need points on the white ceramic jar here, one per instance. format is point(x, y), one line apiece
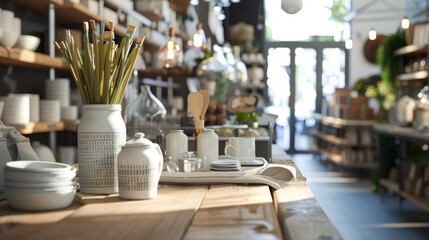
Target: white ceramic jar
point(140, 165)
point(208, 147)
point(176, 145)
point(100, 135)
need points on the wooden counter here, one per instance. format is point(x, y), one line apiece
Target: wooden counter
point(227, 211)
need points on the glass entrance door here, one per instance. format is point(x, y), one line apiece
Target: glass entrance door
point(299, 76)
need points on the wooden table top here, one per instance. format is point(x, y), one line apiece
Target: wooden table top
point(227, 211)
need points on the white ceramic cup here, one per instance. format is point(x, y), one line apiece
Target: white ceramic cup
point(240, 147)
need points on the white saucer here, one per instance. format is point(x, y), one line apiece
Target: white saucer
point(245, 161)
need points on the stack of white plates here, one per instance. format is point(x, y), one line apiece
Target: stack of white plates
point(16, 110)
point(34, 105)
point(11, 28)
point(50, 110)
point(59, 89)
point(69, 113)
point(39, 186)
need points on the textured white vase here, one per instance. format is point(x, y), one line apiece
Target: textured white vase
point(101, 134)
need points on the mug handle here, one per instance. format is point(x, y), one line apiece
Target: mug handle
point(226, 150)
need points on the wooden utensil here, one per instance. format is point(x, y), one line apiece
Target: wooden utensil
point(206, 99)
point(195, 104)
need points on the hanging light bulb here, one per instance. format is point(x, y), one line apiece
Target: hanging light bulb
point(171, 54)
point(348, 44)
point(199, 36)
point(372, 34)
point(291, 6)
point(194, 2)
point(405, 23)
point(221, 16)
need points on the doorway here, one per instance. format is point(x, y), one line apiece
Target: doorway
point(299, 76)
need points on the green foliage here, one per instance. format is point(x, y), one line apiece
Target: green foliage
point(338, 11)
point(390, 64)
point(362, 84)
point(244, 117)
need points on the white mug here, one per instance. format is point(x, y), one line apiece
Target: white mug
point(240, 147)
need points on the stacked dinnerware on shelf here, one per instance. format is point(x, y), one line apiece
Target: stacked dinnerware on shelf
point(58, 89)
point(16, 109)
point(34, 105)
point(50, 110)
point(11, 28)
point(38, 185)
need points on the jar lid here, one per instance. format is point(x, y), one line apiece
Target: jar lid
point(208, 130)
point(176, 131)
point(139, 141)
point(190, 156)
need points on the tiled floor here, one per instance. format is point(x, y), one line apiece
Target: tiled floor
point(356, 211)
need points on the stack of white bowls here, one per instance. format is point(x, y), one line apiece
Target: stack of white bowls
point(50, 110)
point(58, 89)
point(39, 186)
point(16, 109)
point(11, 28)
point(34, 105)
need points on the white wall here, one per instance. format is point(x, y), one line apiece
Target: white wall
point(378, 16)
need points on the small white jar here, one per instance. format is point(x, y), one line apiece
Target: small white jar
point(208, 147)
point(176, 145)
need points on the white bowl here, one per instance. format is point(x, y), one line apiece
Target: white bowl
point(37, 166)
point(30, 200)
point(9, 38)
point(38, 177)
point(58, 185)
point(27, 42)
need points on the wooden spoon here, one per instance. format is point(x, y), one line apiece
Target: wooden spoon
point(206, 99)
point(195, 104)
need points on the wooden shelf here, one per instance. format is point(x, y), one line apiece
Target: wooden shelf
point(180, 6)
point(406, 133)
point(152, 15)
point(420, 75)
point(174, 72)
point(337, 141)
point(39, 127)
point(71, 125)
point(394, 187)
point(411, 50)
point(25, 58)
point(339, 122)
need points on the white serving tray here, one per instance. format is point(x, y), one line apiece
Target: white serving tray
point(258, 164)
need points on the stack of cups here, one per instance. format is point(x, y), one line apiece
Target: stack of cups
point(34, 105)
point(50, 110)
point(16, 110)
point(59, 89)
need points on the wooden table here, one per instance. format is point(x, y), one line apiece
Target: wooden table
point(182, 212)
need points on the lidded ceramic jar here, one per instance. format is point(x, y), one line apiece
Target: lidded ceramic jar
point(140, 164)
point(176, 145)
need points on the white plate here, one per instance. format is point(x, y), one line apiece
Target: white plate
point(256, 161)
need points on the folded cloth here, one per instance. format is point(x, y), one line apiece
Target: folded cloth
point(273, 175)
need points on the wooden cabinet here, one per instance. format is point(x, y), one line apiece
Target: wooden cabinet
point(344, 142)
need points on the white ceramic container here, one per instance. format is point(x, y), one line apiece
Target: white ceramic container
point(176, 145)
point(40, 185)
point(27, 42)
point(39, 176)
point(208, 147)
point(43, 152)
point(139, 168)
point(101, 133)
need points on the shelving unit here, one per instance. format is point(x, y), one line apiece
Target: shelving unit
point(405, 78)
point(401, 135)
point(345, 142)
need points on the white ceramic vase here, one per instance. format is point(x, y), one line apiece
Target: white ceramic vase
point(101, 134)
